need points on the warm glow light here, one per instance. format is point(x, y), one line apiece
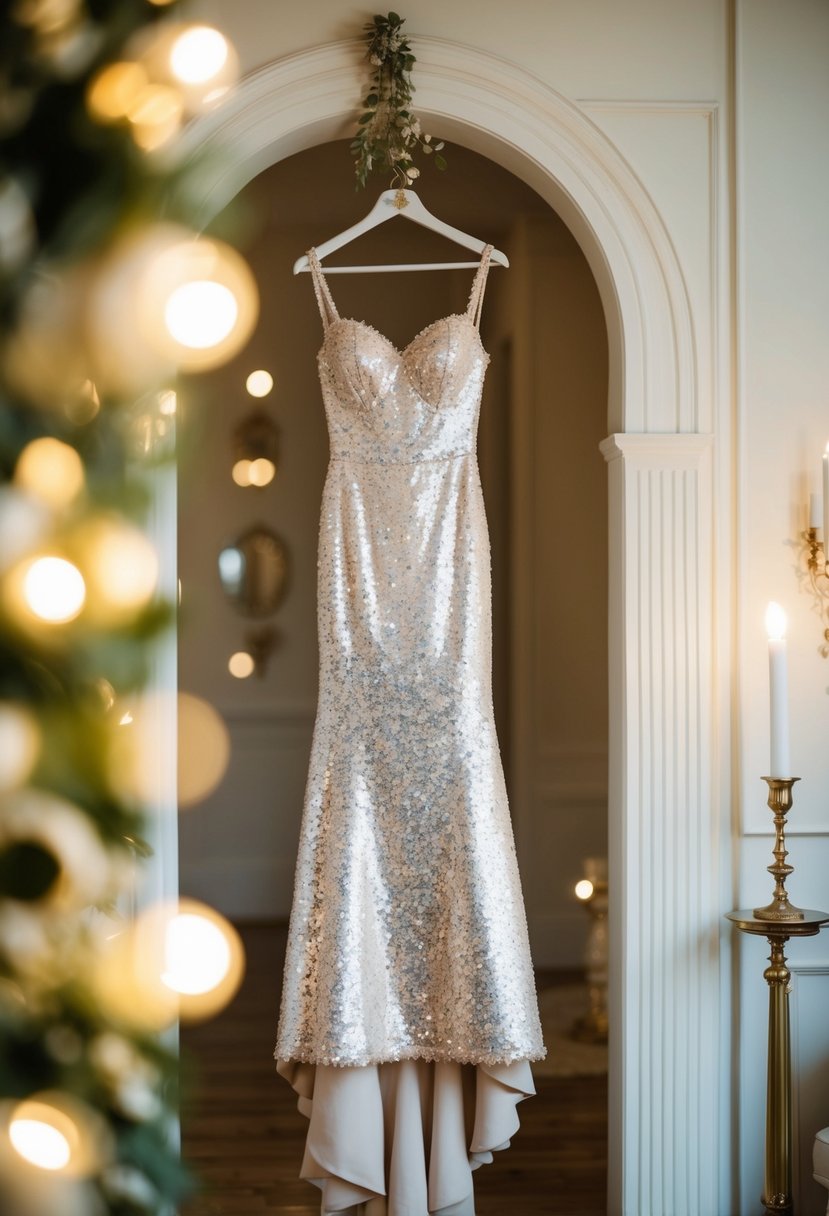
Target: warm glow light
point(168, 299)
point(155, 115)
point(201, 314)
point(121, 567)
point(241, 665)
point(197, 955)
point(259, 383)
point(241, 472)
point(167, 402)
point(19, 744)
point(262, 471)
point(57, 1133)
point(775, 622)
point(115, 90)
point(203, 749)
point(584, 888)
point(50, 470)
point(180, 960)
point(54, 589)
point(40, 1143)
point(198, 55)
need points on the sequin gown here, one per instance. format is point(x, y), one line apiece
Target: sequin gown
point(408, 988)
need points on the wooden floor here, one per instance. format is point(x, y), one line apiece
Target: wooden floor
point(244, 1136)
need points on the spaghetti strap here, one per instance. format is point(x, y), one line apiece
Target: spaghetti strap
point(476, 295)
point(327, 308)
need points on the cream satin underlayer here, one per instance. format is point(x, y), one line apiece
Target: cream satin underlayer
point(402, 1139)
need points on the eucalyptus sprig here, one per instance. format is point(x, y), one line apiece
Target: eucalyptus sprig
point(389, 134)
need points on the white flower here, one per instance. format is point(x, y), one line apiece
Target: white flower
point(376, 60)
point(412, 173)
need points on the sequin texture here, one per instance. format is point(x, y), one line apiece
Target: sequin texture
point(408, 938)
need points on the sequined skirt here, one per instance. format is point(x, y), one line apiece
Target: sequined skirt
point(408, 937)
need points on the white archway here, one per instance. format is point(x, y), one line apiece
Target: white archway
point(667, 1155)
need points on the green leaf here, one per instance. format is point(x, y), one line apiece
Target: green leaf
point(364, 118)
point(440, 162)
point(371, 100)
point(394, 19)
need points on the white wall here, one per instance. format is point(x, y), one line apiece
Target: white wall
point(742, 192)
point(783, 425)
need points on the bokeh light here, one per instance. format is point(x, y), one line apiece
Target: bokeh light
point(262, 471)
point(58, 1133)
point(113, 93)
point(155, 115)
point(167, 299)
point(19, 744)
point(201, 314)
point(241, 472)
point(241, 665)
point(584, 888)
point(203, 749)
point(198, 55)
point(51, 471)
point(259, 383)
point(175, 960)
point(40, 1142)
point(121, 567)
point(53, 589)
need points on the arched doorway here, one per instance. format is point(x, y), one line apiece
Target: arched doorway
point(667, 1084)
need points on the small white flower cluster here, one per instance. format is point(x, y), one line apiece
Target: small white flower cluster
point(388, 134)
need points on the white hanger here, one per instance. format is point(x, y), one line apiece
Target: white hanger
point(405, 203)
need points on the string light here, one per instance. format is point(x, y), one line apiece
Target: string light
point(53, 589)
point(201, 314)
point(38, 1141)
point(199, 55)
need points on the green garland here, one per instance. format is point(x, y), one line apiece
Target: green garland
point(389, 134)
point(70, 188)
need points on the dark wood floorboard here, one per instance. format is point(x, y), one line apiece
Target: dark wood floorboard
point(244, 1136)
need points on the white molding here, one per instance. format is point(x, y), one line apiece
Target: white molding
point(664, 824)
point(666, 1152)
point(805, 969)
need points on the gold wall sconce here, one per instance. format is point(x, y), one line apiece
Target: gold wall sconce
point(817, 554)
point(592, 891)
point(255, 450)
point(254, 573)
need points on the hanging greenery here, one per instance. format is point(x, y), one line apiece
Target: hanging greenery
point(96, 293)
point(389, 134)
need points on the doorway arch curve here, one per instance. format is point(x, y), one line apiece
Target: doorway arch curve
point(666, 1084)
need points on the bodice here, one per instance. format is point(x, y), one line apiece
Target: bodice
point(390, 406)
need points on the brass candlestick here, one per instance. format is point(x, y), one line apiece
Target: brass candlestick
point(777, 922)
point(780, 801)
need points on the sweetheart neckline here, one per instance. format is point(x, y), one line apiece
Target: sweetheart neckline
point(401, 352)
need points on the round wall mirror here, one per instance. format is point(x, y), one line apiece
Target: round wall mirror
point(254, 571)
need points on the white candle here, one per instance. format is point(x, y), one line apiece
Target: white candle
point(778, 692)
point(815, 512)
point(826, 504)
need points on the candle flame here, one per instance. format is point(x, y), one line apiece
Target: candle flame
point(775, 622)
